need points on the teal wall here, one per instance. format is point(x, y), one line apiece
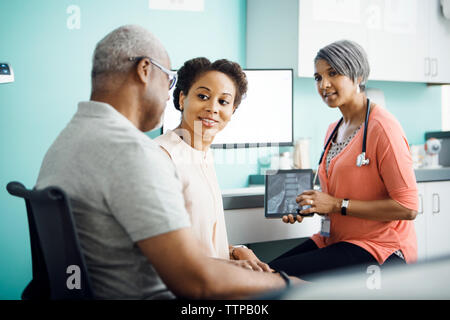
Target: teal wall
point(52, 69)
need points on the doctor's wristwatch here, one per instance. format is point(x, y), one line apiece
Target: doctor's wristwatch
point(344, 206)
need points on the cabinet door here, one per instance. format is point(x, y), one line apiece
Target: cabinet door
point(439, 44)
point(438, 219)
point(420, 225)
point(395, 35)
point(398, 40)
point(323, 22)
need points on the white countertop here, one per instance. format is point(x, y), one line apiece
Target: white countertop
point(244, 191)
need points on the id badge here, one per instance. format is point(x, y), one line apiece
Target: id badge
point(325, 226)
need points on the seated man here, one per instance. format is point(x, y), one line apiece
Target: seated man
point(127, 201)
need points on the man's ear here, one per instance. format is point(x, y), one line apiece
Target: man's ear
point(143, 69)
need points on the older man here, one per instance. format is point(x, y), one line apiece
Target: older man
point(127, 201)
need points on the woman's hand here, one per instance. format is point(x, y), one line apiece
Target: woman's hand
point(241, 253)
point(319, 202)
point(245, 258)
point(377, 210)
point(290, 218)
point(255, 265)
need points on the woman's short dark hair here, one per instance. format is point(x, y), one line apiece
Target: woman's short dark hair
point(194, 68)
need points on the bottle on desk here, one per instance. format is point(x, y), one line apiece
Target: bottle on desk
point(301, 154)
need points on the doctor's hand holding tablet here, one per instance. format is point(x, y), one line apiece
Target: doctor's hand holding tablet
point(311, 202)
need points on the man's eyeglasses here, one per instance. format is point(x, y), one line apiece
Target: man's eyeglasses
point(171, 74)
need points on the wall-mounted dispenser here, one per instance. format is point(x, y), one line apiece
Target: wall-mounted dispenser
point(6, 73)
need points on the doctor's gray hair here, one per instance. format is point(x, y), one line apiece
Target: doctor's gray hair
point(113, 51)
point(347, 58)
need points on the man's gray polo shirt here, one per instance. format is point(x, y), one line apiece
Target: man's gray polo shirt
point(123, 188)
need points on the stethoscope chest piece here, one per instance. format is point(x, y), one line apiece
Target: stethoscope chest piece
point(361, 160)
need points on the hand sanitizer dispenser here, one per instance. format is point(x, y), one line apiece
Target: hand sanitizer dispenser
point(6, 73)
point(432, 148)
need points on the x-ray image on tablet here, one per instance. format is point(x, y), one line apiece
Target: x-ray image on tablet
point(282, 188)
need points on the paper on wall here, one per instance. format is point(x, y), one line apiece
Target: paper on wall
point(181, 5)
point(347, 11)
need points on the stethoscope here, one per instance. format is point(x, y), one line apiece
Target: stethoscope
point(361, 158)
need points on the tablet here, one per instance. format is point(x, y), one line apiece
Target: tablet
point(282, 188)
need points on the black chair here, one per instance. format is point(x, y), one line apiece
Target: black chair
point(59, 269)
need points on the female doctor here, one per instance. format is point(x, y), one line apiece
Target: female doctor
point(369, 192)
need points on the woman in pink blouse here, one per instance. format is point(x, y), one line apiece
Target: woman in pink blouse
point(367, 210)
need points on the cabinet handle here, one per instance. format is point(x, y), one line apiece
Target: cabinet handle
point(420, 204)
point(434, 67)
point(436, 203)
point(427, 66)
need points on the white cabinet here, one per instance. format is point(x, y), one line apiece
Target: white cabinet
point(439, 46)
point(323, 22)
point(412, 43)
point(398, 36)
point(420, 225)
point(437, 212)
point(433, 220)
point(406, 40)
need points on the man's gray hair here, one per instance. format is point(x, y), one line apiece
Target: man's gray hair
point(113, 51)
point(346, 58)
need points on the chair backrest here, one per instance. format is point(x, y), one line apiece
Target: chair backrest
point(59, 269)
